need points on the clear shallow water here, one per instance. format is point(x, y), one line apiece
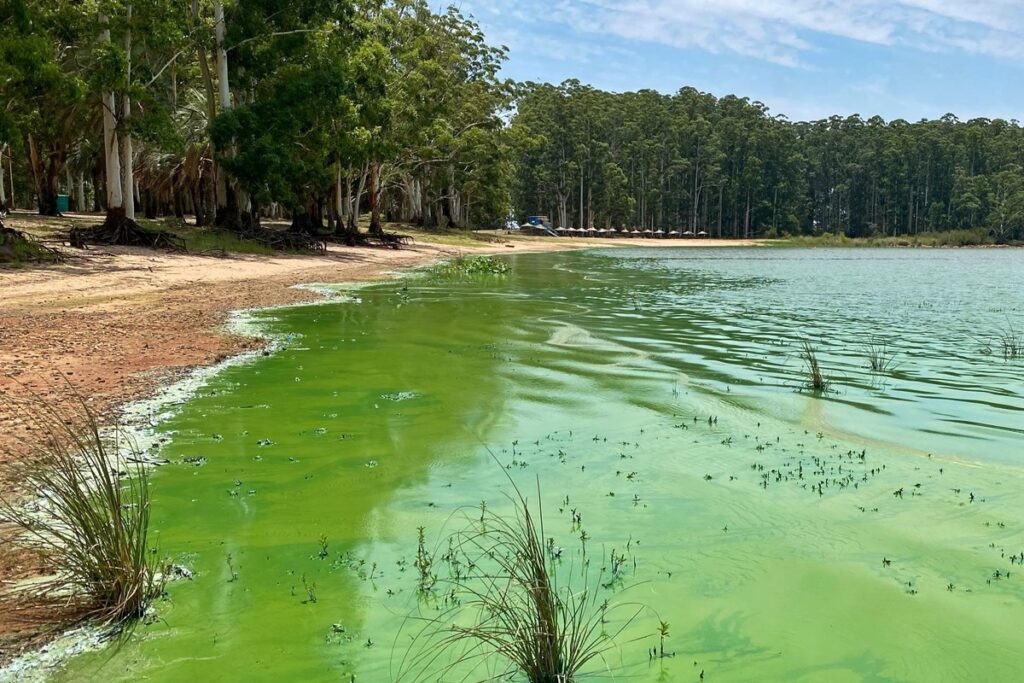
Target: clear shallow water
point(584, 369)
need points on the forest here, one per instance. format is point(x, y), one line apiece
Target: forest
point(326, 113)
point(727, 165)
point(315, 111)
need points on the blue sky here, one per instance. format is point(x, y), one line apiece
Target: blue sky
point(806, 59)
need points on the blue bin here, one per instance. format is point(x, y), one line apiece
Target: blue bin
point(63, 203)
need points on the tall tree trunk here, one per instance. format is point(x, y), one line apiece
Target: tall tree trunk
point(111, 147)
point(127, 153)
point(3, 190)
point(211, 113)
point(80, 192)
point(97, 186)
point(45, 177)
point(339, 201)
point(227, 201)
point(374, 190)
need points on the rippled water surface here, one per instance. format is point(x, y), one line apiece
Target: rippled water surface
point(661, 392)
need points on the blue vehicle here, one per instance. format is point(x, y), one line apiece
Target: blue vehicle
point(541, 224)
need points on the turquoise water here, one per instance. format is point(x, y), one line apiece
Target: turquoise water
point(661, 392)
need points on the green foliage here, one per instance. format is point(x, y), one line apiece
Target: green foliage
point(472, 265)
point(727, 166)
point(511, 610)
point(17, 248)
point(91, 520)
point(211, 241)
point(949, 238)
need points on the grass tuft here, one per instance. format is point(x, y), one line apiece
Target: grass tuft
point(815, 380)
point(510, 608)
point(87, 513)
point(880, 359)
point(1011, 342)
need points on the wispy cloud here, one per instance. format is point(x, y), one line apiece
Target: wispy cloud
point(789, 32)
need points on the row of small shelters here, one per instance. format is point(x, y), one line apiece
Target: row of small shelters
point(626, 232)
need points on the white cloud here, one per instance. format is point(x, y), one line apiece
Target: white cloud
point(786, 31)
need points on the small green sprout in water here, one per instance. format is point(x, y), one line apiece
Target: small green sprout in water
point(323, 547)
point(310, 589)
point(231, 568)
point(424, 564)
point(662, 635)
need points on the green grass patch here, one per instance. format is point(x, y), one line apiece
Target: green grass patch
point(203, 240)
point(18, 248)
point(949, 238)
point(473, 265)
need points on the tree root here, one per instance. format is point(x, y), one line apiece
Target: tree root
point(284, 240)
point(120, 230)
point(17, 247)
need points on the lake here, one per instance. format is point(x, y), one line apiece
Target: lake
point(869, 533)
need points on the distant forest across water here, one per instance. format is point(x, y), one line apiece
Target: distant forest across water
point(731, 167)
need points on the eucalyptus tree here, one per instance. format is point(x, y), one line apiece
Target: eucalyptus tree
point(44, 94)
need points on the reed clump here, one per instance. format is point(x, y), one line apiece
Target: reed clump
point(511, 608)
point(881, 360)
point(815, 380)
point(86, 509)
point(1011, 342)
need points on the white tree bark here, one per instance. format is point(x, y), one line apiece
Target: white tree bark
point(358, 199)
point(80, 192)
point(112, 157)
point(10, 176)
point(3, 192)
point(223, 87)
point(127, 154)
point(339, 209)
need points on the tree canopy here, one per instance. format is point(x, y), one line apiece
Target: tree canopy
point(319, 111)
point(728, 166)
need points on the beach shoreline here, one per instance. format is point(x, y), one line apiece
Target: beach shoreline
point(123, 325)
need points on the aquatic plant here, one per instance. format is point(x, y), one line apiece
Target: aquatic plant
point(87, 513)
point(473, 265)
point(880, 358)
point(815, 380)
point(424, 564)
point(515, 610)
point(662, 635)
point(1011, 342)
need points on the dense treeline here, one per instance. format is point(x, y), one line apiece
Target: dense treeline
point(725, 165)
point(319, 111)
point(229, 110)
